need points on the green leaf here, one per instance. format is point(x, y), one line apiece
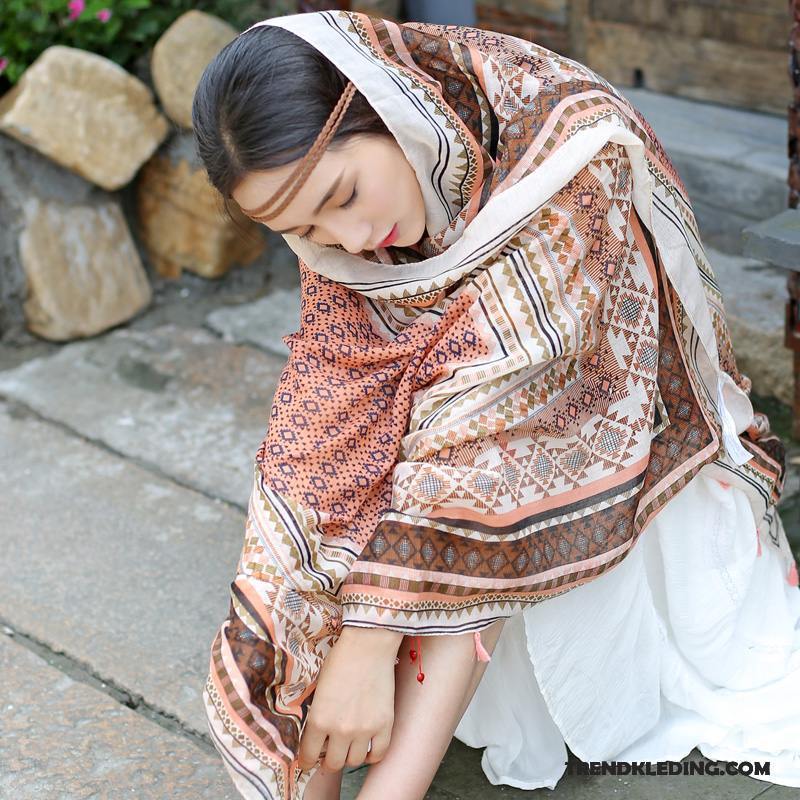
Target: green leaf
point(28, 27)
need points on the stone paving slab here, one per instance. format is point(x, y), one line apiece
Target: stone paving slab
point(780, 793)
point(776, 240)
point(751, 289)
point(126, 574)
point(261, 323)
point(759, 196)
point(754, 295)
point(123, 571)
point(110, 596)
point(733, 162)
point(179, 399)
point(63, 739)
point(717, 132)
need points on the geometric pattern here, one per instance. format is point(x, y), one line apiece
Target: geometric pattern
point(434, 467)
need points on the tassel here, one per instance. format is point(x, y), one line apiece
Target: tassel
point(420, 673)
point(480, 650)
point(792, 577)
point(758, 539)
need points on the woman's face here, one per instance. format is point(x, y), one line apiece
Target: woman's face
point(361, 195)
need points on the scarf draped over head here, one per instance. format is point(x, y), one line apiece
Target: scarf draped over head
point(492, 419)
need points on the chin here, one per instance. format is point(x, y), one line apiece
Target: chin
point(414, 236)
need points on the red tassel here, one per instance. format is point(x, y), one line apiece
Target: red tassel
point(420, 673)
point(792, 577)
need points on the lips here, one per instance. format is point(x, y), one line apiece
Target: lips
point(390, 238)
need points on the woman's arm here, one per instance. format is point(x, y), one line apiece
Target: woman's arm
point(354, 700)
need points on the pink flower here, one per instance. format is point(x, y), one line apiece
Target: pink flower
point(104, 15)
point(3, 65)
point(75, 8)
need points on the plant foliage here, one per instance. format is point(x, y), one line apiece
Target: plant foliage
point(120, 30)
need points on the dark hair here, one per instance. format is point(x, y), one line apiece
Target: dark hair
point(263, 100)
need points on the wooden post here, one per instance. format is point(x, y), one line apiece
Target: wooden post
point(794, 108)
point(792, 341)
point(306, 6)
point(792, 329)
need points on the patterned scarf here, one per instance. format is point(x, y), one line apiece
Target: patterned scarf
point(490, 419)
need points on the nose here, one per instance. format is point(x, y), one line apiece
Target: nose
point(355, 238)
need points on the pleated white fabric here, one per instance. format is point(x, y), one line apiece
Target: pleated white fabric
point(693, 640)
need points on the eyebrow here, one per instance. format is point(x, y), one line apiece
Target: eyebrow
point(322, 202)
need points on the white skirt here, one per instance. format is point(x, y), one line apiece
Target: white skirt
point(693, 640)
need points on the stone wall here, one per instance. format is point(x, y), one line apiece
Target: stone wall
point(545, 22)
point(101, 192)
point(733, 52)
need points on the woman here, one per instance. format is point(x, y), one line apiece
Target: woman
point(512, 366)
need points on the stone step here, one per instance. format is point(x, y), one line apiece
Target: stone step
point(122, 570)
point(734, 162)
point(261, 323)
point(62, 738)
point(754, 296)
point(178, 400)
point(776, 240)
point(137, 572)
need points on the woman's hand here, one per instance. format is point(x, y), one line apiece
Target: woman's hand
point(353, 701)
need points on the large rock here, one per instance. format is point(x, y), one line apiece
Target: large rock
point(24, 173)
point(86, 113)
point(83, 272)
point(180, 56)
point(180, 217)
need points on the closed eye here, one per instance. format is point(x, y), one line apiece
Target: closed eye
point(347, 203)
point(350, 200)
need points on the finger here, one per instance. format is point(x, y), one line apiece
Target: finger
point(380, 744)
point(337, 753)
point(357, 753)
point(311, 743)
